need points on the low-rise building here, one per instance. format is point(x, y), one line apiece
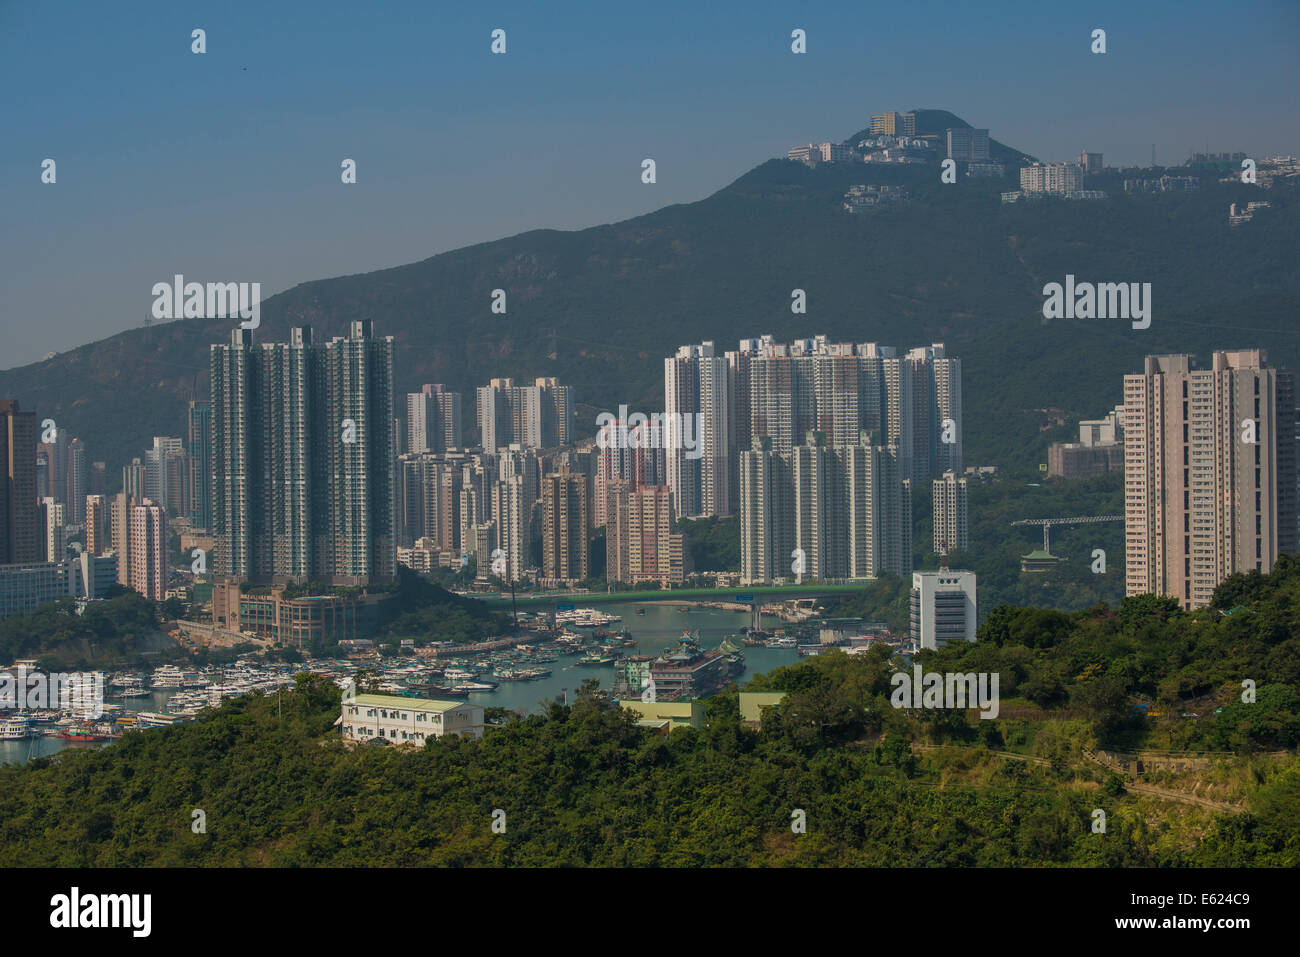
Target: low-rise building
point(399, 720)
point(287, 617)
point(752, 704)
point(666, 716)
point(1073, 460)
point(25, 587)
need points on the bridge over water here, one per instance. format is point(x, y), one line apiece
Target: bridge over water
point(755, 597)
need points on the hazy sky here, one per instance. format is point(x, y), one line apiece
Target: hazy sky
point(226, 166)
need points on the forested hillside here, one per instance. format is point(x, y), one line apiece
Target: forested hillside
point(878, 785)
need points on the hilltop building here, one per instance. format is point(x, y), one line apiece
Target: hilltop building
point(894, 124)
point(399, 720)
point(1100, 449)
point(1059, 178)
point(967, 145)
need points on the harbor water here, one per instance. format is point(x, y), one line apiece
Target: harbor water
point(659, 629)
point(655, 631)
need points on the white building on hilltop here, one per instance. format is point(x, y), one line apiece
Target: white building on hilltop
point(400, 720)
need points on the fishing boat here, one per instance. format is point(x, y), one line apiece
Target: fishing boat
point(79, 735)
point(596, 658)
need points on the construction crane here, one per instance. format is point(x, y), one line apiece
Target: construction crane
point(1047, 524)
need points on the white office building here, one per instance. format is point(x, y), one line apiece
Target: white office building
point(943, 607)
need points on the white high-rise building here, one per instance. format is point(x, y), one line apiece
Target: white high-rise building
point(823, 512)
point(534, 416)
point(512, 515)
point(55, 514)
point(303, 464)
point(943, 607)
point(697, 391)
point(951, 518)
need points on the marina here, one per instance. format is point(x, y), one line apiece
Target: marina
point(523, 674)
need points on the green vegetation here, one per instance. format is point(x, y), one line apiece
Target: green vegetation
point(107, 633)
point(428, 612)
point(996, 548)
point(1188, 666)
point(714, 543)
point(880, 786)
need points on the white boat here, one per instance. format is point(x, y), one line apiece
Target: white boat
point(15, 727)
point(167, 676)
point(133, 688)
point(155, 719)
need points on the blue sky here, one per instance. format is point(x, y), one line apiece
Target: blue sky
point(225, 166)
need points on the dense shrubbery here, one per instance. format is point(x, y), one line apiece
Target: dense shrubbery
point(107, 633)
point(424, 610)
point(585, 785)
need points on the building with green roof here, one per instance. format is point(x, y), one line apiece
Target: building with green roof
point(752, 704)
point(666, 716)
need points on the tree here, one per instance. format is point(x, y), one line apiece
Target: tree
point(1105, 702)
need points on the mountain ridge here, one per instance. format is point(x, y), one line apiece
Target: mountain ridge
point(609, 302)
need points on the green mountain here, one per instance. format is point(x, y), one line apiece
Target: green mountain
point(601, 307)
